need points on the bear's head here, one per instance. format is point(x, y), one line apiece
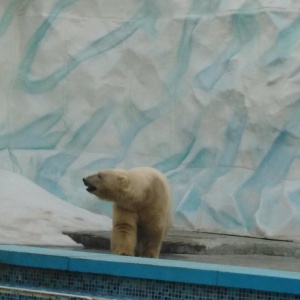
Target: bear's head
point(107, 184)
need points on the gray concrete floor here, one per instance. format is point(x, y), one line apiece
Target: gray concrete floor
point(213, 249)
point(279, 263)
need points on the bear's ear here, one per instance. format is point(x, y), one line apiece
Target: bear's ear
point(123, 180)
point(122, 177)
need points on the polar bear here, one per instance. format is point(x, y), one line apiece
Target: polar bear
point(142, 208)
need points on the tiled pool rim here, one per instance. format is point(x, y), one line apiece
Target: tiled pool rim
point(153, 269)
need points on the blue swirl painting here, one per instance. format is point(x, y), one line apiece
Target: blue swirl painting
point(206, 91)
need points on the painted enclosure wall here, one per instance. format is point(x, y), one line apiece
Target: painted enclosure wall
point(206, 91)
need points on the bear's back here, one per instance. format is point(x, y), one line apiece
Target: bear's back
point(146, 175)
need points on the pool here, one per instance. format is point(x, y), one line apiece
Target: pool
point(33, 273)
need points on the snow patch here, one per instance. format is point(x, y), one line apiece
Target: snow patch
point(29, 215)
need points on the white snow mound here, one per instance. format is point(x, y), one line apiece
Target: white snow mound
point(29, 215)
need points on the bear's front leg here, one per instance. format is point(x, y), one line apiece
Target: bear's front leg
point(124, 233)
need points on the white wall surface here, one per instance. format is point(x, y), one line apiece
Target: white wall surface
point(206, 91)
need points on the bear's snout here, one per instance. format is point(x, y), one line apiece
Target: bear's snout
point(90, 187)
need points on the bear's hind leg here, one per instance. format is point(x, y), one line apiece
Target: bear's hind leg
point(149, 244)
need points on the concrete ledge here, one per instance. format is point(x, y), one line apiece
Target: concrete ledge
point(157, 269)
point(191, 242)
point(177, 242)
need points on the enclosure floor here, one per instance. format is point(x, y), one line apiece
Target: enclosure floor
point(280, 263)
point(214, 248)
